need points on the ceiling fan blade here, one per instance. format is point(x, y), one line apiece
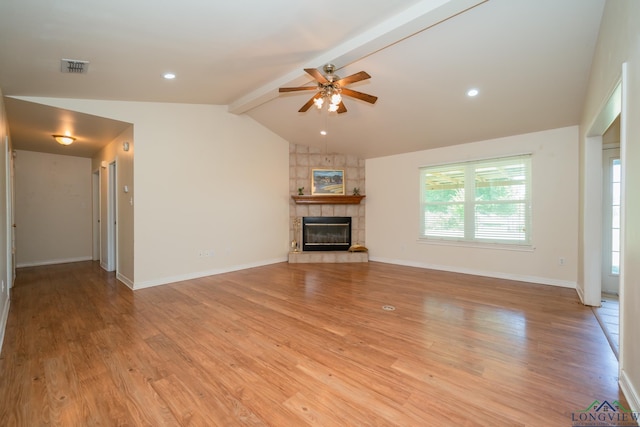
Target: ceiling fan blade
point(359, 95)
point(316, 75)
point(362, 75)
point(295, 89)
point(341, 108)
point(309, 103)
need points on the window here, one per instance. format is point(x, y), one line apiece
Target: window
point(615, 216)
point(483, 201)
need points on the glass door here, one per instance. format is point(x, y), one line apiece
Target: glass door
point(611, 217)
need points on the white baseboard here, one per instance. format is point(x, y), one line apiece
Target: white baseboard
point(580, 294)
point(53, 261)
point(4, 316)
point(190, 276)
point(124, 279)
point(630, 392)
point(495, 274)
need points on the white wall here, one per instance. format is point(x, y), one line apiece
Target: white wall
point(52, 208)
point(114, 152)
point(205, 180)
point(619, 42)
point(393, 220)
point(6, 270)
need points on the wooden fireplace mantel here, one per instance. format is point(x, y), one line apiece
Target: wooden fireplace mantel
point(327, 200)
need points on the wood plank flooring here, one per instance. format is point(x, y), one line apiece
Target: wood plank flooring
point(608, 315)
point(296, 345)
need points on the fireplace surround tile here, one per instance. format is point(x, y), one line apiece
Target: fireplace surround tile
point(327, 257)
point(302, 160)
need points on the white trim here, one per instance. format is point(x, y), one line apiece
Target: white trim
point(592, 221)
point(622, 281)
point(190, 276)
point(484, 273)
point(112, 218)
point(54, 261)
point(591, 196)
point(630, 393)
point(124, 279)
point(95, 215)
point(610, 108)
point(9, 212)
point(4, 316)
point(477, 245)
point(580, 295)
point(478, 159)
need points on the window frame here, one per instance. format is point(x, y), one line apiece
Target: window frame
point(470, 203)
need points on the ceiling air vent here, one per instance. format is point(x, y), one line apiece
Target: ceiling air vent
point(74, 66)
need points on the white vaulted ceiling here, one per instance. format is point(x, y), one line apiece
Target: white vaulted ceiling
point(530, 59)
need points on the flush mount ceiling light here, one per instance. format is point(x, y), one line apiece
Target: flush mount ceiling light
point(64, 139)
point(472, 92)
point(169, 76)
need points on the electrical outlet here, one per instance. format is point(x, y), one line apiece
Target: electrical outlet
point(561, 261)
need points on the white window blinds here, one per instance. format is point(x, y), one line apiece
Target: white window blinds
point(481, 201)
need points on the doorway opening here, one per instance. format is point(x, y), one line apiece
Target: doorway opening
point(603, 220)
point(104, 202)
point(608, 314)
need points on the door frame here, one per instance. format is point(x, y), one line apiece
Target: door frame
point(95, 188)
point(592, 202)
point(107, 209)
point(10, 225)
point(112, 218)
point(593, 198)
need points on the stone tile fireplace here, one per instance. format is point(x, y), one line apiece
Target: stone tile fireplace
point(302, 160)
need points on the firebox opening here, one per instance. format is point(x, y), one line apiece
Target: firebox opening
point(322, 233)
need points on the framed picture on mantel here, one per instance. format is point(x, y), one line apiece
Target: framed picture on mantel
point(329, 182)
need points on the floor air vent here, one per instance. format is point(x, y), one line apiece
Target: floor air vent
point(74, 66)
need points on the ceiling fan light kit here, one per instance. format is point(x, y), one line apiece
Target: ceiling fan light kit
point(330, 87)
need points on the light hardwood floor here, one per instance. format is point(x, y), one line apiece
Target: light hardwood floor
point(608, 314)
point(299, 344)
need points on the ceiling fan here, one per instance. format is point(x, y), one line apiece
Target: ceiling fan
point(331, 87)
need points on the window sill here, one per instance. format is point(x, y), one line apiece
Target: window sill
point(478, 245)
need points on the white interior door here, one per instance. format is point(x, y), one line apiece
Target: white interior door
point(111, 218)
point(107, 210)
point(96, 214)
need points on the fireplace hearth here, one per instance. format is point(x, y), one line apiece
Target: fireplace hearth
point(322, 233)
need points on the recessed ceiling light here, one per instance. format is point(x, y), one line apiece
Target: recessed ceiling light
point(323, 132)
point(169, 76)
point(472, 92)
